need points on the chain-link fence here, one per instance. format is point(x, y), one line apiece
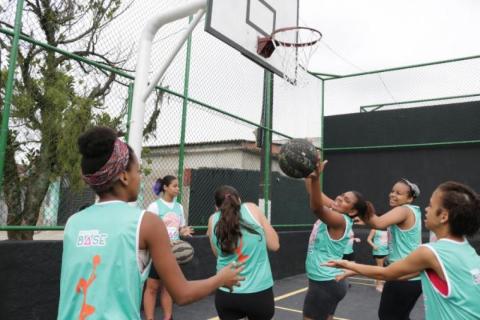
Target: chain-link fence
point(202, 123)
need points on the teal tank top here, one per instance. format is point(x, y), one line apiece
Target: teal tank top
point(252, 249)
point(321, 249)
point(172, 217)
point(403, 242)
point(101, 277)
point(461, 266)
point(380, 240)
point(349, 246)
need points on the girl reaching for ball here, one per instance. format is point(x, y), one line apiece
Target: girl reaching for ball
point(107, 246)
point(449, 267)
point(240, 233)
point(171, 212)
point(329, 238)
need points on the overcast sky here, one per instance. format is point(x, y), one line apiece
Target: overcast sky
point(377, 34)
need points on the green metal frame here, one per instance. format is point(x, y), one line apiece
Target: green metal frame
point(378, 106)
point(186, 84)
point(12, 64)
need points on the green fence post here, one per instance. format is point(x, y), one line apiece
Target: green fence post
point(12, 63)
point(181, 155)
point(267, 140)
point(129, 108)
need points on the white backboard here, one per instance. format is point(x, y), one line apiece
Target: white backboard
point(240, 23)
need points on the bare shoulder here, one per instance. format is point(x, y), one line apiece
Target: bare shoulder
point(254, 209)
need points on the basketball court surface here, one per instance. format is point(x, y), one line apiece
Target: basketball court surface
point(360, 303)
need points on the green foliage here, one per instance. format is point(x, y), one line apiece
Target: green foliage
point(55, 100)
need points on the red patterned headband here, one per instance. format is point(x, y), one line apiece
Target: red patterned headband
point(102, 179)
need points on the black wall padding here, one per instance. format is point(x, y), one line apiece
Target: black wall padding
point(374, 173)
point(204, 183)
point(452, 122)
point(30, 285)
point(290, 203)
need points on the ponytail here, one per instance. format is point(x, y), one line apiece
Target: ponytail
point(227, 229)
point(365, 209)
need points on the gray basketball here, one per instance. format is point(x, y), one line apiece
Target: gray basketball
point(297, 158)
point(183, 251)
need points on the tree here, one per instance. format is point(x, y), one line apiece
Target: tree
point(52, 102)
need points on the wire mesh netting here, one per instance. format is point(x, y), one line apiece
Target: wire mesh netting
point(207, 138)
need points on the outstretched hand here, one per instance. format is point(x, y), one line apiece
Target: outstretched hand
point(340, 264)
point(230, 275)
point(319, 167)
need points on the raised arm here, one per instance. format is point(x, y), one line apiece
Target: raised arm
point(154, 237)
point(327, 201)
point(273, 243)
point(333, 219)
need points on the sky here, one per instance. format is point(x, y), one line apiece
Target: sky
point(377, 34)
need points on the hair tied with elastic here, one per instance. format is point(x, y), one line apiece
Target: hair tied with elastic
point(413, 187)
point(157, 187)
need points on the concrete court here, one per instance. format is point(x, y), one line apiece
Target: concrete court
point(360, 303)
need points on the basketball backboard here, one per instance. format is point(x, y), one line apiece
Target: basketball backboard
point(239, 23)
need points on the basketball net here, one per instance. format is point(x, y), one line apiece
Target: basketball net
point(295, 47)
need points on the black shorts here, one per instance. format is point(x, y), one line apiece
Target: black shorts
point(398, 299)
point(377, 256)
point(322, 298)
point(349, 257)
point(254, 306)
point(153, 273)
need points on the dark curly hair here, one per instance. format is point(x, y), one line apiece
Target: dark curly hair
point(96, 147)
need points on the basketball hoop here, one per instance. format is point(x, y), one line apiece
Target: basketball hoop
point(295, 47)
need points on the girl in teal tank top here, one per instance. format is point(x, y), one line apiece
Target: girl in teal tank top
point(240, 233)
point(449, 267)
point(171, 212)
point(327, 241)
point(106, 247)
point(405, 234)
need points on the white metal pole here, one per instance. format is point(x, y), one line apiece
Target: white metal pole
point(143, 64)
point(176, 49)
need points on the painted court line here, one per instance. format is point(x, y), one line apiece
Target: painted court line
point(289, 294)
point(362, 283)
point(299, 311)
point(288, 309)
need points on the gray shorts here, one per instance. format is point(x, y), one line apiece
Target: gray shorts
point(322, 298)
